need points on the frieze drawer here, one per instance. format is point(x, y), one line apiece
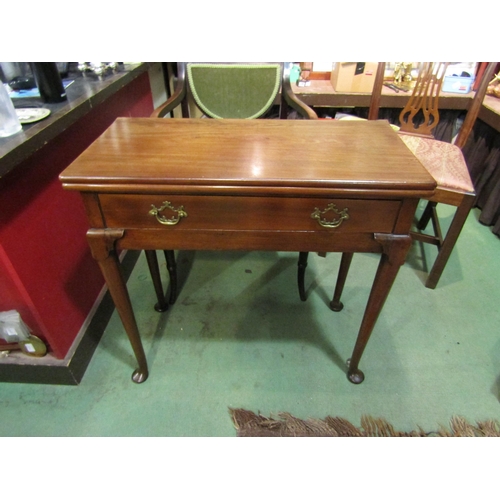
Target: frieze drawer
point(248, 213)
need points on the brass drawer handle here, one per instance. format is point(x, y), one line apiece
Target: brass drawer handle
point(164, 220)
point(343, 215)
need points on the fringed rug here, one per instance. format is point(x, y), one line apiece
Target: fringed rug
point(248, 424)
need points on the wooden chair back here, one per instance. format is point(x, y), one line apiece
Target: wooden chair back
point(472, 111)
point(421, 113)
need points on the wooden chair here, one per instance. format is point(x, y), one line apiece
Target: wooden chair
point(444, 161)
point(226, 90)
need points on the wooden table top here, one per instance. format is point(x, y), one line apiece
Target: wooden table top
point(224, 154)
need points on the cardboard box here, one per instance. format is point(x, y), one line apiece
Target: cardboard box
point(354, 77)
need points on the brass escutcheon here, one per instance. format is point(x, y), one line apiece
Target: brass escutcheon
point(164, 220)
point(343, 215)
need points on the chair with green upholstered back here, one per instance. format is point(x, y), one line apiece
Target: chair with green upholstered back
point(228, 91)
point(234, 90)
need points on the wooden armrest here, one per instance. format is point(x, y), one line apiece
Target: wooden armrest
point(177, 96)
point(292, 99)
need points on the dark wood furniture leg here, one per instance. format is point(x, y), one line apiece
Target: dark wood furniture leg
point(102, 244)
point(154, 269)
point(445, 245)
point(426, 215)
point(394, 251)
point(172, 272)
point(302, 264)
point(345, 263)
point(449, 241)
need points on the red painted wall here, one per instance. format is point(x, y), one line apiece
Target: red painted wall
point(48, 274)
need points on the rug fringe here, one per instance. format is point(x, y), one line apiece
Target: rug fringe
point(249, 424)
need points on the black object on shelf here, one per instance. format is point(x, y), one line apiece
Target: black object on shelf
point(48, 81)
point(22, 83)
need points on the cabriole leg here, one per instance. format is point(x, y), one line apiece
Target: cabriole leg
point(394, 251)
point(301, 272)
point(345, 263)
point(102, 244)
point(172, 272)
point(154, 270)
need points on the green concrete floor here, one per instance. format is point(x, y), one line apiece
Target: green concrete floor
point(239, 336)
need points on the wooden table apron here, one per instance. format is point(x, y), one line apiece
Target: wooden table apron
point(281, 185)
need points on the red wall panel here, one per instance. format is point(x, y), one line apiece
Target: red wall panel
point(53, 278)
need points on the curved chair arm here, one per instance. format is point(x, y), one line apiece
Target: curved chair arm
point(291, 99)
point(177, 96)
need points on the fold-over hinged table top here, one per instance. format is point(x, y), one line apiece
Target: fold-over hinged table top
point(147, 154)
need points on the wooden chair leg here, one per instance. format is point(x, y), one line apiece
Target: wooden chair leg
point(449, 241)
point(426, 215)
point(345, 263)
point(154, 269)
point(172, 272)
point(302, 264)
